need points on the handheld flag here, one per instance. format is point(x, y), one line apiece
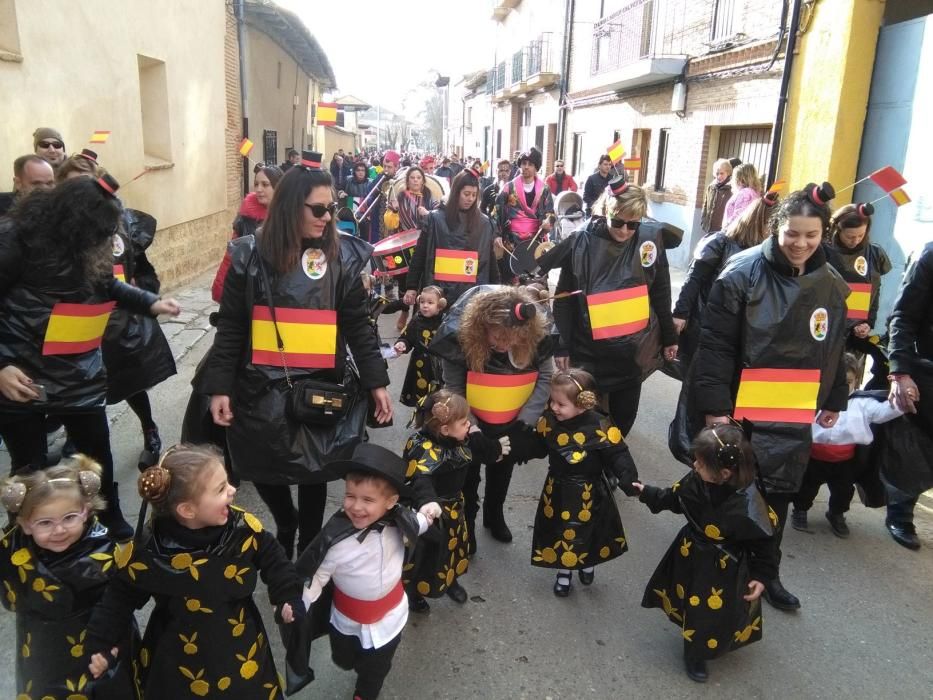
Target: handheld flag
point(776, 186)
point(888, 179)
point(899, 196)
point(100, 136)
point(327, 114)
point(245, 147)
point(631, 164)
point(615, 152)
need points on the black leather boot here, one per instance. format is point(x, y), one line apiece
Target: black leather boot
point(779, 597)
point(696, 669)
point(471, 535)
point(494, 521)
point(112, 517)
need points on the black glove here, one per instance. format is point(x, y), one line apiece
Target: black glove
point(299, 611)
point(485, 449)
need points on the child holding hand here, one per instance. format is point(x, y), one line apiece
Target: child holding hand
point(709, 582)
point(420, 379)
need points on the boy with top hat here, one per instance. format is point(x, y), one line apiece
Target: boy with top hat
point(353, 570)
point(523, 208)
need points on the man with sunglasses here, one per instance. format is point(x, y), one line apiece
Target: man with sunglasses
point(49, 145)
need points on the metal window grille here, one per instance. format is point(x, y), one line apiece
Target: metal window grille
point(270, 146)
point(750, 143)
point(723, 24)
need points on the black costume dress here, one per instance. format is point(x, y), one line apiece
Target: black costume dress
point(421, 377)
point(577, 524)
point(700, 582)
point(205, 634)
point(322, 314)
point(437, 470)
point(136, 352)
point(53, 595)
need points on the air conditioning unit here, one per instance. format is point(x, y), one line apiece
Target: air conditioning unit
point(679, 97)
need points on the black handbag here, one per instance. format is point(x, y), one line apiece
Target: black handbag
point(310, 401)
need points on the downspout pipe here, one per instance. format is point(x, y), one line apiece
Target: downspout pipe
point(241, 46)
point(569, 10)
point(778, 131)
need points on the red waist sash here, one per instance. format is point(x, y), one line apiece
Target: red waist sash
point(368, 612)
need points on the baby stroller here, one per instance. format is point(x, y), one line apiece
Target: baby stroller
point(569, 209)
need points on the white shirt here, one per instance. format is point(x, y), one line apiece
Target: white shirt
point(366, 570)
point(853, 427)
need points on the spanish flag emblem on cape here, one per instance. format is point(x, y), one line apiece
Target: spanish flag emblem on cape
point(777, 395)
point(76, 328)
point(497, 399)
point(309, 337)
point(859, 301)
point(619, 312)
point(455, 265)
point(119, 273)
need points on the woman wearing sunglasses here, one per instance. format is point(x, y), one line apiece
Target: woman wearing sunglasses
point(292, 311)
point(619, 263)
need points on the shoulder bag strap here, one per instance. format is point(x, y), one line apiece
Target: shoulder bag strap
point(278, 338)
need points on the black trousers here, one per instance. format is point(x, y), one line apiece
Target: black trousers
point(371, 665)
point(839, 476)
point(25, 437)
point(498, 478)
point(309, 515)
point(780, 503)
point(623, 407)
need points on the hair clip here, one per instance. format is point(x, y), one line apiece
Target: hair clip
point(473, 172)
point(770, 198)
point(524, 311)
point(13, 495)
point(729, 454)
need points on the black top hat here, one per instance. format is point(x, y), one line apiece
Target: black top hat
point(108, 184)
point(372, 459)
point(618, 185)
point(311, 160)
point(87, 153)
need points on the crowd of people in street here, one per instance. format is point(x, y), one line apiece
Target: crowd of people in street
point(774, 328)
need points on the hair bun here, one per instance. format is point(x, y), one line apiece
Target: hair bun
point(12, 495)
point(154, 484)
point(89, 482)
point(730, 456)
point(820, 194)
point(524, 311)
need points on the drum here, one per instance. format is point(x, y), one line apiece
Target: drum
point(393, 254)
point(438, 186)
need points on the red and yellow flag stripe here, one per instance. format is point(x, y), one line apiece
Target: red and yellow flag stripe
point(455, 265)
point(119, 272)
point(498, 398)
point(76, 328)
point(859, 301)
point(309, 336)
point(778, 395)
point(618, 313)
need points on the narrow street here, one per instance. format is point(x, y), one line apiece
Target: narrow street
point(864, 629)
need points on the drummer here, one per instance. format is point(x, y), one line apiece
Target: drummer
point(390, 162)
point(413, 204)
point(455, 250)
point(523, 207)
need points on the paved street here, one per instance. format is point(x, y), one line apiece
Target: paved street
point(865, 629)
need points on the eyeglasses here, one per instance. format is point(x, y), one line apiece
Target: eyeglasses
point(69, 521)
point(620, 223)
point(319, 210)
point(58, 145)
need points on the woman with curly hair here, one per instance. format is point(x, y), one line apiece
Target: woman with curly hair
point(495, 349)
point(57, 290)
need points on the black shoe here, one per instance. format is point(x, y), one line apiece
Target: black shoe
point(562, 589)
point(779, 597)
point(417, 604)
point(152, 449)
point(586, 577)
point(798, 520)
point(112, 518)
point(499, 531)
point(696, 670)
point(457, 593)
point(837, 521)
point(904, 534)
point(286, 538)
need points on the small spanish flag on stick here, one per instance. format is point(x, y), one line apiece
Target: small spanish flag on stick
point(245, 147)
point(100, 136)
point(776, 186)
point(631, 164)
point(327, 114)
point(887, 178)
point(899, 196)
point(615, 152)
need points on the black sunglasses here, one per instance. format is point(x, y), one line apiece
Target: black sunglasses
point(51, 144)
point(320, 209)
point(621, 223)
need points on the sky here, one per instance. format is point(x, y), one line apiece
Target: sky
point(379, 49)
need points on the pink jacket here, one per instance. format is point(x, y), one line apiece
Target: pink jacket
point(739, 202)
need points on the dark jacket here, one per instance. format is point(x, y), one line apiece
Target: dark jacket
point(594, 186)
point(714, 205)
point(32, 282)
point(436, 234)
point(266, 444)
point(591, 261)
point(762, 315)
point(864, 264)
point(7, 200)
point(910, 345)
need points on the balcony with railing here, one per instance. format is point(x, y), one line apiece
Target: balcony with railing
point(529, 68)
point(491, 81)
point(640, 44)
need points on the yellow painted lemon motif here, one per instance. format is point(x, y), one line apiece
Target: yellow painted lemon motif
point(230, 571)
point(248, 667)
point(549, 486)
point(194, 605)
point(565, 515)
point(715, 601)
point(579, 438)
point(680, 591)
point(772, 516)
point(144, 657)
point(462, 566)
point(614, 435)
point(238, 625)
point(746, 633)
point(224, 683)
point(549, 555)
point(548, 511)
point(570, 533)
point(181, 561)
point(541, 425)
point(584, 516)
point(712, 532)
point(25, 652)
point(122, 554)
point(20, 556)
point(449, 579)
point(412, 468)
point(452, 544)
point(75, 687)
point(712, 643)
point(423, 587)
point(198, 685)
point(568, 559)
point(688, 635)
point(694, 600)
point(77, 644)
point(604, 552)
point(577, 456)
point(253, 522)
point(685, 547)
point(563, 439)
